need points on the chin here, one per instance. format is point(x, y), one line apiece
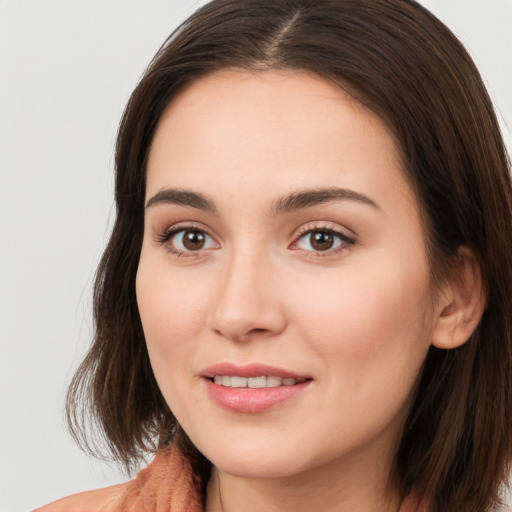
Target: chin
point(259, 457)
point(251, 466)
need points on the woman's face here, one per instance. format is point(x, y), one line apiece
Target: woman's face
point(282, 242)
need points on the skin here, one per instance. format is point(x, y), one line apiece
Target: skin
point(358, 318)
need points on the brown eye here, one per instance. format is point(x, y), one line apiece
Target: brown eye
point(321, 240)
point(188, 241)
point(193, 240)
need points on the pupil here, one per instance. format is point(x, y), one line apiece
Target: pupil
point(322, 241)
point(193, 240)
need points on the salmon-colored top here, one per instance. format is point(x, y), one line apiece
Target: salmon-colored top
point(168, 484)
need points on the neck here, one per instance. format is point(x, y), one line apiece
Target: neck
point(322, 490)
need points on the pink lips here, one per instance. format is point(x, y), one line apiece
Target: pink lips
point(251, 400)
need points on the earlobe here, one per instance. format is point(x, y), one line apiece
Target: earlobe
point(462, 302)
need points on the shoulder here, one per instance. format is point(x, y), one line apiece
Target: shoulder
point(99, 500)
point(168, 483)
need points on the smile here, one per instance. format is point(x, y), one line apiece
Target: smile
point(253, 382)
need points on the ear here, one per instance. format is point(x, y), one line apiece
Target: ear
point(462, 302)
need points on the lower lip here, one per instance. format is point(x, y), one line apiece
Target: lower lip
point(252, 399)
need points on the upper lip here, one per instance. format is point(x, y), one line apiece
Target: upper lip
point(250, 370)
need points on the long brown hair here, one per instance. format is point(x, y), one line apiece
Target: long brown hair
point(404, 64)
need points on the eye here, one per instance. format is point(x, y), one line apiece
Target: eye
point(191, 240)
point(322, 240)
point(186, 240)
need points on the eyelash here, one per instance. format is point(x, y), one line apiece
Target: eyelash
point(345, 241)
point(167, 235)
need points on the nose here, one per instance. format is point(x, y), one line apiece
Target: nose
point(248, 304)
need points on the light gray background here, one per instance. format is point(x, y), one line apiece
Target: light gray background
point(67, 68)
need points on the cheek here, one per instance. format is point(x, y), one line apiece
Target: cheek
point(369, 335)
point(172, 310)
point(368, 317)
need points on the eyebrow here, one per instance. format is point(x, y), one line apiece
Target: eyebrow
point(288, 204)
point(183, 198)
point(308, 198)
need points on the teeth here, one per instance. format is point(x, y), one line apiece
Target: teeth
point(257, 382)
point(252, 382)
point(238, 382)
point(273, 382)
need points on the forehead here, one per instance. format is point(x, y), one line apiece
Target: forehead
point(273, 130)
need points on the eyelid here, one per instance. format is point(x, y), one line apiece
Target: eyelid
point(165, 236)
point(327, 227)
point(322, 225)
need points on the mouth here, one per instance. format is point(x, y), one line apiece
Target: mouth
point(253, 388)
point(262, 381)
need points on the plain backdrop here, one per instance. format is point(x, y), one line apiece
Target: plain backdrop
point(67, 68)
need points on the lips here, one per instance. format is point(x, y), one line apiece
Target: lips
point(232, 381)
point(252, 370)
point(252, 388)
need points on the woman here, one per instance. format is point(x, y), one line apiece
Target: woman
point(305, 301)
